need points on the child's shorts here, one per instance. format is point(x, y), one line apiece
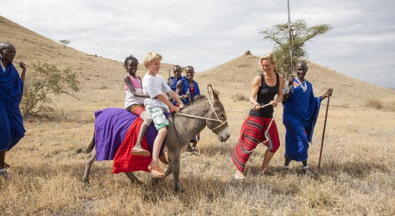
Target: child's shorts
point(158, 116)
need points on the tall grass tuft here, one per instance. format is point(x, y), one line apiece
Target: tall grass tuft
point(390, 106)
point(374, 103)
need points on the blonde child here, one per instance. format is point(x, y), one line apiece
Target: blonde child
point(157, 105)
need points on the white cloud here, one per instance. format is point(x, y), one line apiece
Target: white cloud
point(208, 33)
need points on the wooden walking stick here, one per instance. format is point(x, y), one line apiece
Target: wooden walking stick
point(323, 135)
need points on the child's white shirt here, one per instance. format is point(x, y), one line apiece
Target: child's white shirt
point(153, 86)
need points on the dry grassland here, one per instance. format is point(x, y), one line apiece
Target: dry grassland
point(357, 173)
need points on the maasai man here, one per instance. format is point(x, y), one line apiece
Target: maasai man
point(300, 112)
point(188, 89)
point(11, 89)
point(174, 80)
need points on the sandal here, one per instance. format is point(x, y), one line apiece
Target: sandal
point(140, 152)
point(156, 171)
point(4, 173)
point(240, 176)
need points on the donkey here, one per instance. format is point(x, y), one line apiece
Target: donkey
point(184, 125)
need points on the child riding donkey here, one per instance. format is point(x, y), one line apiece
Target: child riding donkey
point(157, 105)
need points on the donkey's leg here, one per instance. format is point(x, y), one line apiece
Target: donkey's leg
point(91, 144)
point(174, 157)
point(133, 178)
point(90, 159)
point(169, 169)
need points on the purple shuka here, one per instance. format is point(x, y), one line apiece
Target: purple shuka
point(111, 126)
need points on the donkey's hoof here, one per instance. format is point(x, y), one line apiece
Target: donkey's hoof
point(155, 181)
point(179, 189)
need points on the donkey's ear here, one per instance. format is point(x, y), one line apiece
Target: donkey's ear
point(213, 95)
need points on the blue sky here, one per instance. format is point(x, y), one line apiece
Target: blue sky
point(208, 33)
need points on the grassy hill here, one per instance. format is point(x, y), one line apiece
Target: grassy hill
point(101, 79)
point(237, 74)
point(357, 175)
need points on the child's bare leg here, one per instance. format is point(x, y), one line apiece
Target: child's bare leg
point(154, 166)
point(137, 149)
point(194, 143)
point(158, 144)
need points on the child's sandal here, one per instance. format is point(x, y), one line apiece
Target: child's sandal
point(156, 171)
point(140, 152)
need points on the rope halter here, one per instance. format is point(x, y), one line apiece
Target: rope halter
point(210, 93)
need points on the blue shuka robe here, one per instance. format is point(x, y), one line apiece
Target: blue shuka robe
point(11, 122)
point(173, 85)
point(300, 114)
point(185, 88)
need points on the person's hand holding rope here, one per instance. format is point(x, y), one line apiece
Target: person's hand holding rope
point(273, 103)
point(256, 106)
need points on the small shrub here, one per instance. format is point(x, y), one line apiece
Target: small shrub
point(374, 103)
point(44, 80)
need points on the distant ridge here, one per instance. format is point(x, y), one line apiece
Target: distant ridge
point(239, 72)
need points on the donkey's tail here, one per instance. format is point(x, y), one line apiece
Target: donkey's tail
point(91, 145)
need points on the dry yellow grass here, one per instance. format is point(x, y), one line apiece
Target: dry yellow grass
point(357, 174)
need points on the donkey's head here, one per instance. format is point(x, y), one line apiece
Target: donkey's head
point(218, 123)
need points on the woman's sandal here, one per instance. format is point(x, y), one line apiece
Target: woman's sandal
point(240, 176)
point(156, 171)
point(140, 152)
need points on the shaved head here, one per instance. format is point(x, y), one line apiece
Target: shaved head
point(301, 64)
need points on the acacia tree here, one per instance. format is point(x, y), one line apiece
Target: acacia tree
point(65, 42)
point(300, 33)
point(46, 80)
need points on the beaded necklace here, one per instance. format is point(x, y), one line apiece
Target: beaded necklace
point(304, 88)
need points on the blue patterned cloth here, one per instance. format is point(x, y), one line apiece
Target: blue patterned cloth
point(186, 88)
point(300, 114)
point(173, 86)
point(11, 122)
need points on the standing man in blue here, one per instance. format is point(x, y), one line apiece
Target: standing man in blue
point(11, 89)
point(300, 112)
